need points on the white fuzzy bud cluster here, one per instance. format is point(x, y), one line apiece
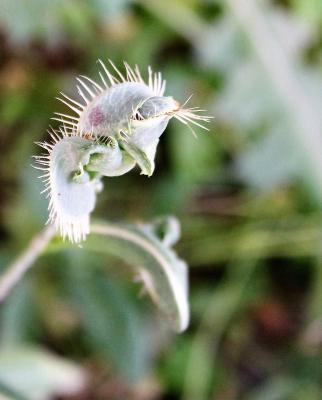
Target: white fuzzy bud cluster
point(116, 126)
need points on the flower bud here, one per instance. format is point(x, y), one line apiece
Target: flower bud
point(119, 126)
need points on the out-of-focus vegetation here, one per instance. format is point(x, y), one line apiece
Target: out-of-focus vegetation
point(248, 195)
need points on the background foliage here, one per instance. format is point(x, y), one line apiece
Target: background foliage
point(248, 195)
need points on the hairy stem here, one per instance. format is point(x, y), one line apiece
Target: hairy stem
point(20, 266)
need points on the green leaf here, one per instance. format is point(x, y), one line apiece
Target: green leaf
point(147, 248)
point(113, 323)
point(163, 274)
point(17, 316)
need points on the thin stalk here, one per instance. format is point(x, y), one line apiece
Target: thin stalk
point(20, 266)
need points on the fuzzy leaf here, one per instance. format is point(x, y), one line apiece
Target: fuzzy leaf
point(145, 163)
point(147, 248)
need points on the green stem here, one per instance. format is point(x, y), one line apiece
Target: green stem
point(20, 266)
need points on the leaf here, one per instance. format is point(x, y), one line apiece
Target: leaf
point(37, 374)
point(113, 323)
point(163, 274)
point(17, 316)
point(144, 162)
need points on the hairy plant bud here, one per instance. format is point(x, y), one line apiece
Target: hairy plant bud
point(117, 125)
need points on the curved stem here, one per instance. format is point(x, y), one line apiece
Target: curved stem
point(20, 266)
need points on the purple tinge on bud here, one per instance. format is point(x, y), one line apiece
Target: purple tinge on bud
point(96, 116)
point(109, 110)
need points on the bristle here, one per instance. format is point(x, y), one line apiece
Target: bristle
point(110, 77)
point(72, 100)
point(160, 83)
point(81, 93)
point(117, 71)
point(192, 120)
point(130, 73)
point(138, 74)
point(187, 101)
point(189, 117)
point(150, 82)
point(66, 116)
point(76, 110)
point(65, 122)
point(103, 80)
point(86, 88)
point(96, 85)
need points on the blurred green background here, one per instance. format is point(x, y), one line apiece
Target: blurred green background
point(248, 195)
